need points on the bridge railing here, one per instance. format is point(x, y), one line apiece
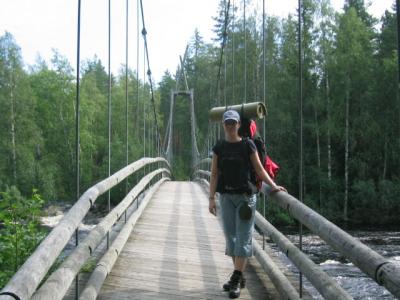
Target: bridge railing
point(24, 283)
point(380, 269)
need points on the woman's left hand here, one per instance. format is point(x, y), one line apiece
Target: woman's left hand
point(276, 189)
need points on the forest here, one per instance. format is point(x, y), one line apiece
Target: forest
point(351, 105)
point(351, 116)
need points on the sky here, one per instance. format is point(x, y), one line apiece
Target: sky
point(43, 25)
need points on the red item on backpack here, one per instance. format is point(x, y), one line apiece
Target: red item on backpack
point(271, 167)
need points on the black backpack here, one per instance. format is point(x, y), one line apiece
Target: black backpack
point(248, 129)
point(234, 169)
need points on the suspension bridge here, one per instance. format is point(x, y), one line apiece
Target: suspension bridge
point(160, 241)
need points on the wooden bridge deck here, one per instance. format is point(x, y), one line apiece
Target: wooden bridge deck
point(176, 251)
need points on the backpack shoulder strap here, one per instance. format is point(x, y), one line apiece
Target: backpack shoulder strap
point(245, 149)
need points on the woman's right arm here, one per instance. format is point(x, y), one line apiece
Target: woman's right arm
point(212, 207)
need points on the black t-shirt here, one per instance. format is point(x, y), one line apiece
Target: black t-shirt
point(233, 165)
point(222, 144)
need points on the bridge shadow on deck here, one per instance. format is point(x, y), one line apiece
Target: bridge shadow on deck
point(176, 251)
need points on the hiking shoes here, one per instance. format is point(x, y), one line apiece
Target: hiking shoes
point(227, 285)
point(235, 283)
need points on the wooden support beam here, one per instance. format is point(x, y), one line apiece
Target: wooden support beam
point(106, 263)
point(381, 269)
point(281, 283)
point(327, 286)
point(24, 283)
point(201, 172)
point(56, 286)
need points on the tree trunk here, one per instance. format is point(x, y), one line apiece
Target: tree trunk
point(346, 155)
point(318, 152)
point(65, 129)
point(328, 105)
point(385, 158)
point(13, 144)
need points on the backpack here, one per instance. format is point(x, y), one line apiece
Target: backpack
point(248, 129)
point(234, 171)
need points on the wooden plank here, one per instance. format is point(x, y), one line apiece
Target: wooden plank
point(176, 251)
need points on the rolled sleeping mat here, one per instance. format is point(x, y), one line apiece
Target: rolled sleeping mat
point(253, 110)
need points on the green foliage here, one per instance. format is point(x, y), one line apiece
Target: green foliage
point(19, 229)
point(345, 59)
point(89, 265)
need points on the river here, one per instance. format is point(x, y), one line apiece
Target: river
point(357, 284)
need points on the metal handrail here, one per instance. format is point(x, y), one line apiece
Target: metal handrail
point(25, 282)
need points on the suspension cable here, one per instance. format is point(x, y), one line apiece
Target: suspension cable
point(126, 88)
point(224, 35)
point(137, 66)
point(245, 51)
point(264, 96)
point(300, 52)
point(225, 79)
point(225, 54)
point(109, 112)
point(144, 103)
point(263, 63)
point(398, 58)
point(211, 128)
point(77, 130)
point(233, 51)
point(144, 34)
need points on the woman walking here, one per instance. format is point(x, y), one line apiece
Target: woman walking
point(230, 174)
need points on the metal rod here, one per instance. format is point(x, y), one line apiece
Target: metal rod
point(126, 90)
point(398, 39)
point(77, 129)
point(300, 132)
point(144, 34)
point(137, 66)
point(233, 51)
point(222, 50)
point(264, 97)
point(109, 111)
point(398, 59)
point(144, 104)
point(245, 51)
point(225, 55)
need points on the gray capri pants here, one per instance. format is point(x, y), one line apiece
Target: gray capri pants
point(238, 232)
